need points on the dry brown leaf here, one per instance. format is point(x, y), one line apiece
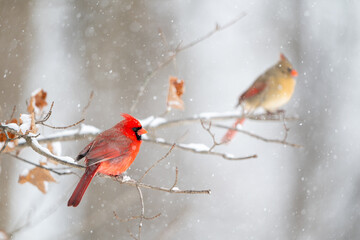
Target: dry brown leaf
point(37, 100)
point(37, 177)
point(11, 145)
point(176, 90)
point(11, 135)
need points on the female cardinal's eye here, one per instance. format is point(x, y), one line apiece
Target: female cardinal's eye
point(289, 69)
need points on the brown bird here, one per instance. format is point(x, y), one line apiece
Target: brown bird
point(270, 91)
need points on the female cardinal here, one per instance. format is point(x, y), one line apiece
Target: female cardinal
point(111, 153)
point(271, 90)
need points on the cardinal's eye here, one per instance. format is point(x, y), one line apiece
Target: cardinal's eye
point(135, 129)
point(289, 70)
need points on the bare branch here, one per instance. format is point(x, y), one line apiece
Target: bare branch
point(41, 166)
point(135, 217)
point(217, 28)
point(13, 112)
point(88, 104)
point(47, 116)
point(208, 129)
point(157, 162)
point(65, 127)
point(176, 178)
point(213, 116)
point(132, 182)
point(175, 52)
point(259, 137)
point(142, 211)
point(203, 149)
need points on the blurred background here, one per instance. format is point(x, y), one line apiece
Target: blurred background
point(70, 48)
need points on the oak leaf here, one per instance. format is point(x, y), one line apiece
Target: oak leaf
point(38, 177)
point(176, 90)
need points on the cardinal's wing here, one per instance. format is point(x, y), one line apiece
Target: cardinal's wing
point(257, 88)
point(108, 146)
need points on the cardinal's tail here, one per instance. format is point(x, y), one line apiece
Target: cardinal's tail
point(230, 134)
point(82, 185)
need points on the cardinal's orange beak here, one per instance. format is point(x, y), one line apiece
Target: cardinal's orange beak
point(141, 131)
point(294, 73)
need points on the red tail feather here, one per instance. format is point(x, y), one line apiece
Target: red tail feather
point(82, 185)
point(230, 134)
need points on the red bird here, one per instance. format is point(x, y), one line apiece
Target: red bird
point(111, 153)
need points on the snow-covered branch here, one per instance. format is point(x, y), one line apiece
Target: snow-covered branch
point(159, 122)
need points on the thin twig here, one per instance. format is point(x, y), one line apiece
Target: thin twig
point(208, 129)
point(259, 137)
point(88, 104)
point(132, 182)
point(13, 112)
point(214, 116)
point(157, 162)
point(217, 28)
point(47, 116)
point(206, 151)
point(135, 217)
point(40, 166)
point(175, 52)
point(65, 127)
point(142, 210)
point(176, 178)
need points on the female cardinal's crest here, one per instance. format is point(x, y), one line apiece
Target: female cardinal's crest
point(282, 57)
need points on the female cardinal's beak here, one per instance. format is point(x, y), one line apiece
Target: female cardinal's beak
point(294, 73)
point(142, 131)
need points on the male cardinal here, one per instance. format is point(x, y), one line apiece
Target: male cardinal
point(111, 153)
point(271, 90)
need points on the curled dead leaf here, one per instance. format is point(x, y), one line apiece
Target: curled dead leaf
point(176, 90)
point(37, 101)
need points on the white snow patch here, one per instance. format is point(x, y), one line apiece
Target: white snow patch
point(198, 147)
point(228, 155)
point(46, 186)
point(57, 148)
point(126, 178)
point(152, 121)
point(13, 126)
point(157, 121)
point(160, 140)
point(26, 123)
point(45, 150)
point(175, 189)
point(88, 129)
point(36, 92)
point(145, 122)
point(24, 173)
point(207, 115)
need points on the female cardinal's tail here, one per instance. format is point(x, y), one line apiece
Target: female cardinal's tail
point(82, 185)
point(230, 134)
